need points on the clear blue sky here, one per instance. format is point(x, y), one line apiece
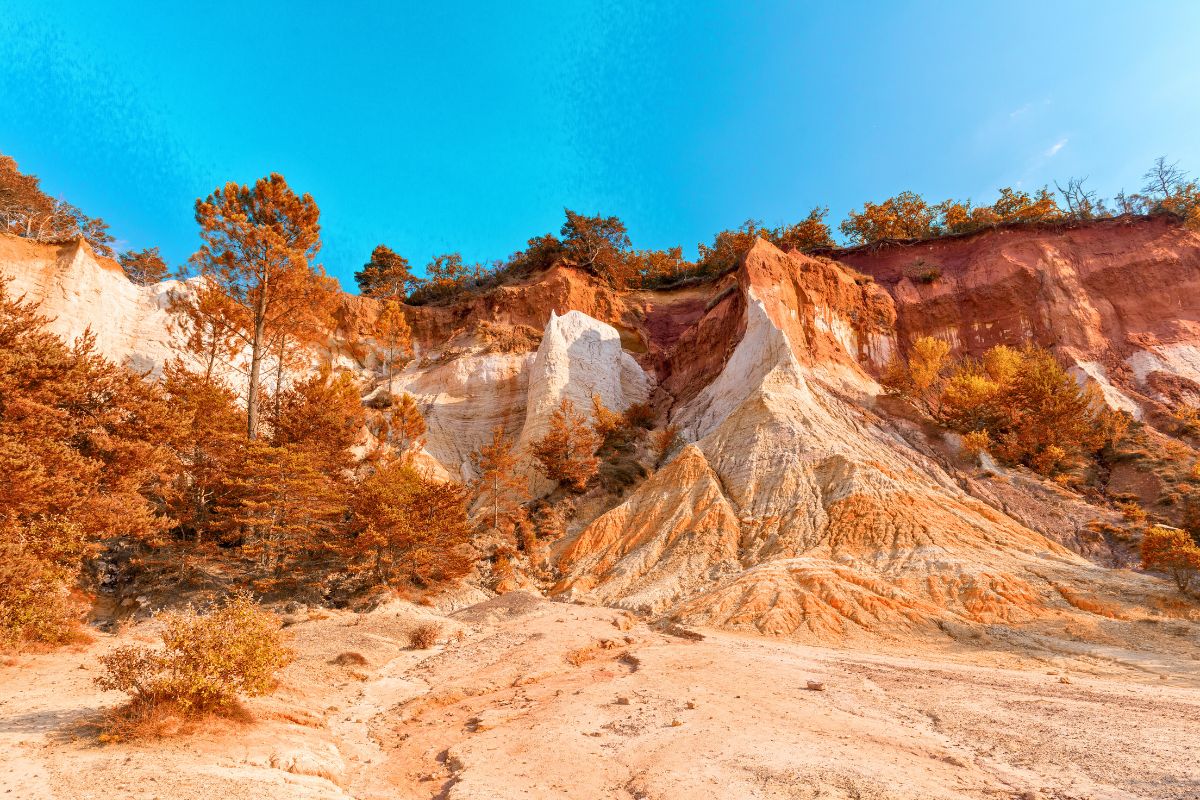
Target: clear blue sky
point(464, 126)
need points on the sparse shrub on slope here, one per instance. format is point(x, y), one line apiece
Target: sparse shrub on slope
point(665, 442)
point(425, 635)
point(206, 664)
point(1019, 405)
point(1172, 551)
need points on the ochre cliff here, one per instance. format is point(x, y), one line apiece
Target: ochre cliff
point(798, 504)
point(1118, 297)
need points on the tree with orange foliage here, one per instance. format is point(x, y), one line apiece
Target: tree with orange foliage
point(1015, 205)
point(259, 242)
point(728, 247)
point(324, 417)
point(809, 233)
point(404, 525)
point(27, 211)
point(567, 453)
point(920, 376)
point(497, 489)
point(597, 244)
point(1172, 551)
point(540, 254)
point(905, 216)
point(282, 506)
point(393, 338)
point(83, 454)
point(608, 424)
point(405, 426)
point(143, 267)
point(387, 276)
point(1020, 405)
point(207, 446)
point(209, 322)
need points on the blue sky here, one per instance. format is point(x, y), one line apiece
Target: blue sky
point(469, 126)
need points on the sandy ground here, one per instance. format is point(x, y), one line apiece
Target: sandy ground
point(547, 700)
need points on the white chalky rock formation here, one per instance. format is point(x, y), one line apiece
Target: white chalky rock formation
point(579, 357)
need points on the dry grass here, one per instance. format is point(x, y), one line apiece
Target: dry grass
point(425, 635)
point(350, 659)
point(142, 720)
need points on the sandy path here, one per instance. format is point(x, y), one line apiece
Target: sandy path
point(546, 700)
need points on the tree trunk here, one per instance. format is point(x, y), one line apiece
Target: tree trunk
point(279, 376)
point(256, 355)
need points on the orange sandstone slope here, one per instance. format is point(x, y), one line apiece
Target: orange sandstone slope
point(797, 509)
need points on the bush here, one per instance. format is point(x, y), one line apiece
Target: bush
point(425, 635)
point(1172, 551)
point(665, 442)
point(1020, 405)
point(922, 271)
point(38, 562)
point(350, 659)
point(208, 661)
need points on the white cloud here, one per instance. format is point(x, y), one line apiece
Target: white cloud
point(1059, 145)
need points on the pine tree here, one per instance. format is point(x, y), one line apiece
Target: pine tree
point(323, 416)
point(258, 246)
point(83, 454)
point(282, 506)
point(498, 491)
point(207, 446)
point(393, 338)
point(387, 276)
point(210, 323)
point(567, 453)
point(405, 526)
point(405, 426)
point(143, 267)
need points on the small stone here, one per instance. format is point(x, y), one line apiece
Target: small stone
point(1064, 679)
point(816, 686)
point(622, 701)
point(691, 705)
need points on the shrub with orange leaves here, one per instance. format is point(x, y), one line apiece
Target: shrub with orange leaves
point(1172, 551)
point(665, 442)
point(1020, 405)
point(207, 661)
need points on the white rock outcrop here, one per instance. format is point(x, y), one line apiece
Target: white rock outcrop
point(579, 357)
point(79, 291)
